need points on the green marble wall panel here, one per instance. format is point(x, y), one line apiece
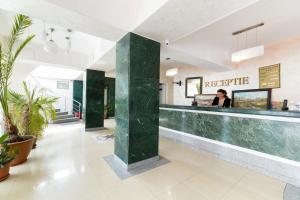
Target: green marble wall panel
point(279, 113)
point(94, 113)
point(110, 85)
point(77, 92)
point(137, 98)
point(277, 138)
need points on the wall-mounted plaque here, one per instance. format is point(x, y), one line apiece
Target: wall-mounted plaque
point(269, 76)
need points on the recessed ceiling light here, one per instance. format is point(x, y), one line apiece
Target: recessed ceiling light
point(172, 72)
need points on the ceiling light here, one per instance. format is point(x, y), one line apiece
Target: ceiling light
point(250, 52)
point(44, 33)
point(69, 43)
point(247, 53)
point(51, 46)
point(172, 72)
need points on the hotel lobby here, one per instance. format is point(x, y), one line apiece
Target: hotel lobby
point(150, 100)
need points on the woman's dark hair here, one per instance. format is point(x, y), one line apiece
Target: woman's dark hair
point(223, 92)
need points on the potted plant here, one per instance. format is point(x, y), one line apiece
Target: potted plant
point(32, 111)
point(6, 156)
point(9, 52)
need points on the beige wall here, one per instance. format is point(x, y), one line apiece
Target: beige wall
point(169, 84)
point(20, 73)
point(179, 91)
point(286, 53)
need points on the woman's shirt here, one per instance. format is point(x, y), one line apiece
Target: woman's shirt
point(222, 103)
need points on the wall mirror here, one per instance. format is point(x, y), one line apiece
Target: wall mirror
point(193, 86)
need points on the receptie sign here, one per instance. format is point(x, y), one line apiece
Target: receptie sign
point(228, 82)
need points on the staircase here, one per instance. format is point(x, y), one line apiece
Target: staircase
point(64, 117)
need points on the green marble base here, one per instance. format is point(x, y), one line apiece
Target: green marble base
point(137, 98)
point(77, 93)
point(279, 138)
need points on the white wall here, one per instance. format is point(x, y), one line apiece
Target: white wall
point(286, 53)
point(179, 91)
point(168, 81)
point(65, 102)
point(20, 73)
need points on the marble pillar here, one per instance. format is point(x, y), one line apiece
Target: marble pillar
point(110, 85)
point(77, 93)
point(137, 99)
point(94, 108)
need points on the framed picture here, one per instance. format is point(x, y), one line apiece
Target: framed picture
point(193, 86)
point(269, 76)
point(205, 99)
point(259, 99)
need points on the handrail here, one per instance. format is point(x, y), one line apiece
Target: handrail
point(77, 101)
point(77, 106)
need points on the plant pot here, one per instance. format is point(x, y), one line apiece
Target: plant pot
point(4, 172)
point(78, 114)
point(23, 149)
point(34, 143)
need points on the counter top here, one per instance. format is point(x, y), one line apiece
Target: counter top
point(292, 114)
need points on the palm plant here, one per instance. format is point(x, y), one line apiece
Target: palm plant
point(6, 155)
point(8, 56)
point(32, 111)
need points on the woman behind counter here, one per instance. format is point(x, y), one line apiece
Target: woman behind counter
point(221, 99)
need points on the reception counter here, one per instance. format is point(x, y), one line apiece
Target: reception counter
point(265, 140)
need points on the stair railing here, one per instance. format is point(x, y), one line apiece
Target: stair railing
point(77, 107)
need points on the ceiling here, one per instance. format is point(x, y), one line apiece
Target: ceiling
point(199, 31)
point(216, 43)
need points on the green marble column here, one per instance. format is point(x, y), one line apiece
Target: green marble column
point(137, 99)
point(110, 84)
point(94, 108)
point(77, 92)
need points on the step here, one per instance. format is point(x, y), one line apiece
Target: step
point(66, 120)
point(61, 113)
point(63, 116)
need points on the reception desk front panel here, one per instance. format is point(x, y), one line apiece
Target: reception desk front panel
point(274, 135)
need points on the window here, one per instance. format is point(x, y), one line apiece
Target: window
point(62, 84)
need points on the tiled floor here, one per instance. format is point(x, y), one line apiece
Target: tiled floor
point(68, 165)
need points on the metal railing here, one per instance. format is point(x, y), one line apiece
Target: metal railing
point(77, 107)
